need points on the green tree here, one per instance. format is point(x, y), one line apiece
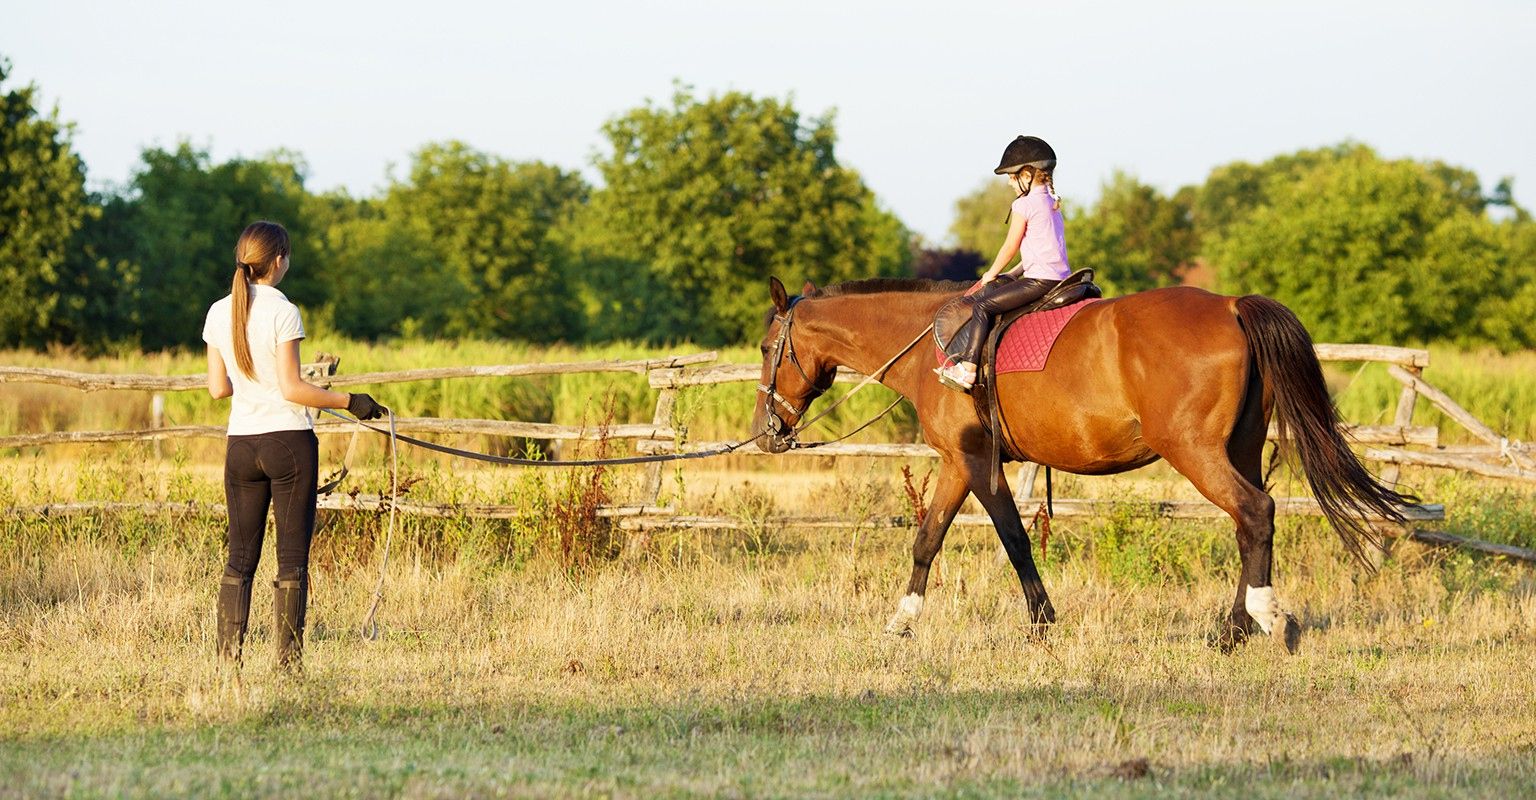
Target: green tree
point(98, 286)
point(183, 216)
point(1506, 305)
point(705, 199)
point(492, 226)
point(1133, 237)
point(978, 225)
point(1233, 191)
point(1362, 249)
point(382, 274)
point(42, 205)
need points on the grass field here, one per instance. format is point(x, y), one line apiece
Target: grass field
point(748, 663)
point(752, 663)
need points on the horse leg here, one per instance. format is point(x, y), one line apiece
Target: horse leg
point(1010, 530)
point(947, 497)
point(1238, 491)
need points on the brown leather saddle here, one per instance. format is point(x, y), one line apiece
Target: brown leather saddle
point(955, 314)
point(1075, 287)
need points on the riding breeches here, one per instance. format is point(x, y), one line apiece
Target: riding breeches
point(281, 468)
point(1000, 296)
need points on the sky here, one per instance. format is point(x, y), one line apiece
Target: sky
point(924, 95)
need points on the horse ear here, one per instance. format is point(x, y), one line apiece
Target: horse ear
point(780, 297)
point(808, 289)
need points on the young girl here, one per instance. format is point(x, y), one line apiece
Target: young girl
point(1036, 233)
point(271, 453)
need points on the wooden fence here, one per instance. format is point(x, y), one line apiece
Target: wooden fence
point(671, 375)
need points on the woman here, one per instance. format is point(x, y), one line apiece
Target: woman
point(271, 453)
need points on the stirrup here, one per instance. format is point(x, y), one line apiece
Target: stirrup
point(951, 380)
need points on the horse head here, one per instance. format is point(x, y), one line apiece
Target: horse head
point(791, 377)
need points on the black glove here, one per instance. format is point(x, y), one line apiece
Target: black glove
point(364, 406)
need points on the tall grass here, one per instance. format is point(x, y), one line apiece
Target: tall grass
point(747, 664)
point(1498, 388)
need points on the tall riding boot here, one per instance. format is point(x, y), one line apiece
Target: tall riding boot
point(290, 596)
point(234, 612)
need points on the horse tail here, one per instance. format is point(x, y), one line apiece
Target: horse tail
point(1308, 424)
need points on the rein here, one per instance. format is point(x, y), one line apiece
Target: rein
point(536, 462)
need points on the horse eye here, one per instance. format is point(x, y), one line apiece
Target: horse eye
point(763, 348)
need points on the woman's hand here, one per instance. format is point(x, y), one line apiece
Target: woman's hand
point(363, 406)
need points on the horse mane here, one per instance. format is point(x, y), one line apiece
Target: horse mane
point(878, 285)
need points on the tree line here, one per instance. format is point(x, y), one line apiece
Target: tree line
point(700, 199)
point(1363, 248)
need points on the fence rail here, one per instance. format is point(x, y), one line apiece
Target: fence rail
point(487, 427)
point(94, 381)
point(672, 374)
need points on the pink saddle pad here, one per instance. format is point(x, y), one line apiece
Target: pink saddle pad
point(1027, 344)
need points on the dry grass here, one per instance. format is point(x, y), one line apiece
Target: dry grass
point(752, 664)
point(748, 663)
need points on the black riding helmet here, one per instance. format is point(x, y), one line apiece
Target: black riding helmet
point(1026, 151)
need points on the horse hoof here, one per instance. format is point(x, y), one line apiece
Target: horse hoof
point(1228, 639)
point(1231, 633)
point(900, 630)
point(1288, 634)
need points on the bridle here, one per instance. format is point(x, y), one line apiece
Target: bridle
point(775, 428)
point(783, 346)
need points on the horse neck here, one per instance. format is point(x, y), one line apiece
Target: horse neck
point(863, 332)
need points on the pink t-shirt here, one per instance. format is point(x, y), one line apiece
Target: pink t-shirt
point(1043, 252)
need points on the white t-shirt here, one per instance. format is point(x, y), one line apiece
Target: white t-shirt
point(258, 405)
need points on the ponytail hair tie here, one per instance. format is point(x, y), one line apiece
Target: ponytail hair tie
point(242, 265)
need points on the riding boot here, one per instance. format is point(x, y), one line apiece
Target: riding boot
point(234, 611)
point(290, 596)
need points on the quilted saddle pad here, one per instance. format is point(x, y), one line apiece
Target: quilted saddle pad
point(1027, 343)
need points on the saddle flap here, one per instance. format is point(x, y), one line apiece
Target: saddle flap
point(951, 317)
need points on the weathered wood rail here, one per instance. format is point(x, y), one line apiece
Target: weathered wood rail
point(671, 375)
point(94, 381)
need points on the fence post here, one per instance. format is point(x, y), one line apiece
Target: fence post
point(1406, 399)
point(1026, 487)
point(665, 400)
point(157, 420)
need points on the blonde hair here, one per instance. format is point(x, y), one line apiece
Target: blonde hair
point(1026, 177)
point(261, 244)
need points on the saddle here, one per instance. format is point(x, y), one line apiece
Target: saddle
point(1074, 288)
point(954, 315)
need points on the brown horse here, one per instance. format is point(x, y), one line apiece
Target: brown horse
point(1179, 374)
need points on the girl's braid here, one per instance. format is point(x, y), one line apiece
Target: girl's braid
point(1050, 189)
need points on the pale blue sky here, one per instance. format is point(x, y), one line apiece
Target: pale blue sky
point(925, 94)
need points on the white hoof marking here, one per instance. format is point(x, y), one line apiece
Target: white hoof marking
point(907, 612)
point(1264, 608)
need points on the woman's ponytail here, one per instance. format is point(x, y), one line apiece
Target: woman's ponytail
point(240, 317)
point(261, 244)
